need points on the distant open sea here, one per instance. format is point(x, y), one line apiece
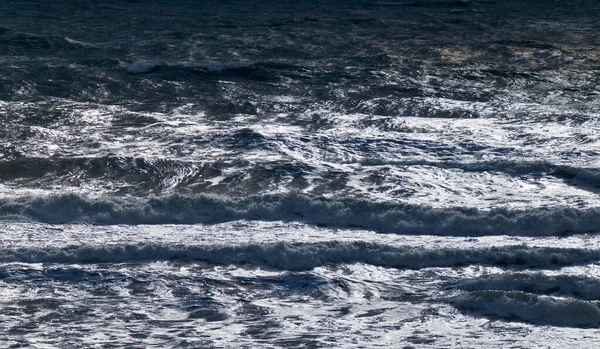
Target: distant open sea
point(300, 174)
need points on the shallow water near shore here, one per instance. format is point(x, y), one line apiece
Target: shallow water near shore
point(356, 174)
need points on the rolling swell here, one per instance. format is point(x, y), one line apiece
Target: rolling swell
point(306, 256)
point(561, 300)
point(261, 70)
point(14, 43)
point(587, 288)
point(530, 308)
point(397, 218)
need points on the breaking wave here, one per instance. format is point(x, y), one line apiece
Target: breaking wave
point(530, 308)
point(305, 256)
point(561, 285)
point(383, 217)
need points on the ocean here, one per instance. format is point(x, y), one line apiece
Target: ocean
point(300, 174)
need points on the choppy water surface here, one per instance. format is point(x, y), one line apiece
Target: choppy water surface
point(419, 174)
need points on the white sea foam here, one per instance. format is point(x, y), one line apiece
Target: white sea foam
point(580, 175)
point(345, 189)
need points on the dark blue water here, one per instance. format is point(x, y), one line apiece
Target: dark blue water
point(299, 173)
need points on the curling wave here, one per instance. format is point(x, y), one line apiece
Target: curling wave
point(398, 218)
point(530, 308)
point(305, 256)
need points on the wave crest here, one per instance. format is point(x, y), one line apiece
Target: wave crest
point(561, 285)
point(396, 218)
point(381, 217)
point(530, 308)
point(304, 256)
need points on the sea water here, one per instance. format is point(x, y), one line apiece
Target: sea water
point(259, 174)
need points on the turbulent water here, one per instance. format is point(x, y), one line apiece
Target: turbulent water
point(343, 173)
